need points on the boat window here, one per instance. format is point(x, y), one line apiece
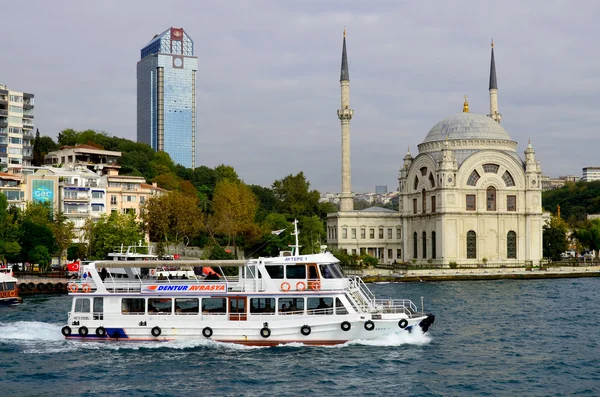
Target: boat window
point(262, 305)
point(251, 271)
point(319, 305)
point(312, 271)
point(331, 270)
point(2, 287)
point(295, 271)
point(337, 270)
point(237, 305)
point(133, 305)
point(98, 308)
point(290, 305)
point(214, 305)
point(275, 271)
point(159, 306)
point(82, 305)
point(339, 307)
point(11, 285)
point(187, 306)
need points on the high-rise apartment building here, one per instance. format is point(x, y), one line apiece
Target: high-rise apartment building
point(16, 129)
point(166, 96)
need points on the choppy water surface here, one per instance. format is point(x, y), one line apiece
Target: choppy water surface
point(496, 338)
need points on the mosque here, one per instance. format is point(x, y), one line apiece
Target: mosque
point(465, 198)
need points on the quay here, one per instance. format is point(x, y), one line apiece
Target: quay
point(47, 284)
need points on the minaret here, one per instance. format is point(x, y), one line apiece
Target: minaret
point(345, 115)
point(493, 90)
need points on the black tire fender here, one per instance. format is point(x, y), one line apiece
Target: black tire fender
point(207, 332)
point(101, 332)
point(345, 326)
point(66, 330)
point(403, 323)
point(156, 331)
point(265, 332)
point(305, 330)
point(369, 325)
point(83, 330)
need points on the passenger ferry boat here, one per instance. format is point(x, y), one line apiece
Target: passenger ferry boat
point(267, 301)
point(9, 292)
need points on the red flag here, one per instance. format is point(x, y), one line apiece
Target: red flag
point(73, 267)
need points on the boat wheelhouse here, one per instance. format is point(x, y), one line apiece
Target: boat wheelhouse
point(9, 292)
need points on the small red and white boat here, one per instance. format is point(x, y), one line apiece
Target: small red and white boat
point(9, 292)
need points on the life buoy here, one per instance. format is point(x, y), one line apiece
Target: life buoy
point(207, 332)
point(12, 293)
point(305, 330)
point(86, 288)
point(156, 331)
point(4, 295)
point(83, 331)
point(345, 325)
point(285, 286)
point(100, 331)
point(403, 323)
point(300, 286)
point(265, 332)
point(315, 285)
point(73, 287)
point(66, 330)
point(369, 325)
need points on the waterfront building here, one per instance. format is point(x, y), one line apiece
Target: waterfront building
point(466, 197)
point(591, 174)
point(16, 129)
point(126, 194)
point(166, 96)
point(11, 187)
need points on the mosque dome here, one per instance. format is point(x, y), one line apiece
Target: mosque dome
point(467, 126)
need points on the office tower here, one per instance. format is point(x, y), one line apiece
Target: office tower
point(166, 96)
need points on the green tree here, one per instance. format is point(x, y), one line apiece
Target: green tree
point(226, 172)
point(46, 145)
point(267, 202)
point(589, 235)
point(40, 255)
point(312, 234)
point(64, 233)
point(112, 231)
point(295, 195)
point(270, 243)
point(9, 246)
point(555, 238)
point(35, 229)
point(38, 157)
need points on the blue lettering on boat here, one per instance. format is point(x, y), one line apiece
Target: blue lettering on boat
point(172, 288)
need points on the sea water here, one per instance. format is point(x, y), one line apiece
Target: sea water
point(490, 338)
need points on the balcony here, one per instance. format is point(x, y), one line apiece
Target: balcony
point(27, 126)
point(27, 116)
point(3, 122)
point(3, 112)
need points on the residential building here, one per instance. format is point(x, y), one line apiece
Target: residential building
point(166, 96)
point(11, 187)
point(127, 194)
point(91, 157)
point(16, 129)
point(591, 174)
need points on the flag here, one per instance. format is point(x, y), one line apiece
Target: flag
point(277, 232)
point(73, 267)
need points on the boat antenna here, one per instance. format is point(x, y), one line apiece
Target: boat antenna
point(295, 233)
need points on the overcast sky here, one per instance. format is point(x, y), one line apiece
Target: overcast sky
point(268, 76)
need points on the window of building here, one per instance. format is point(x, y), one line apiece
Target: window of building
point(511, 245)
point(415, 254)
point(371, 234)
point(433, 208)
point(381, 233)
point(508, 179)
point(97, 195)
point(389, 254)
point(389, 234)
point(491, 198)
point(344, 233)
point(353, 251)
point(353, 233)
point(399, 253)
point(433, 250)
point(431, 180)
point(471, 204)
point(473, 178)
point(511, 203)
point(398, 233)
point(129, 198)
point(471, 245)
point(363, 234)
point(493, 168)
point(423, 171)
point(423, 201)
point(424, 243)
point(414, 206)
point(113, 199)
point(416, 183)
point(97, 207)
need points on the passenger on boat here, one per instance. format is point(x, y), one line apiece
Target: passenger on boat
point(284, 308)
point(103, 273)
point(212, 276)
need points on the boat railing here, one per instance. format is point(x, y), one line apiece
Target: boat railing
point(396, 306)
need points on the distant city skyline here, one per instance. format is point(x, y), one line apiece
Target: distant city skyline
point(268, 78)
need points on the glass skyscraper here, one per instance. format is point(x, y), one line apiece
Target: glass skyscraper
point(166, 96)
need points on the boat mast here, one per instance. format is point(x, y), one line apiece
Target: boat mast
point(295, 233)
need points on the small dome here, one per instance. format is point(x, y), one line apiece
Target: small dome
point(467, 126)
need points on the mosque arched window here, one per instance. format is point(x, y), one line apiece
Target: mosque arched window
point(423, 171)
point(508, 179)
point(433, 252)
point(431, 180)
point(415, 245)
point(423, 201)
point(424, 245)
point(493, 168)
point(416, 183)
point(471, 245)
point(473, 178)
point(491, 198)
point(511, 245)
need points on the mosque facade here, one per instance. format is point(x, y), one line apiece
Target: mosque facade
point(467, 197)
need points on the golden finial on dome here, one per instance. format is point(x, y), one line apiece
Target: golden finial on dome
point(466, 106)
point(492, 43)
point(344, 31)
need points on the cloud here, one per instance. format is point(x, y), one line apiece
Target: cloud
point(268, 86)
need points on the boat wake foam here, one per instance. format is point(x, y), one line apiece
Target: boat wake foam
point(30, 331)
